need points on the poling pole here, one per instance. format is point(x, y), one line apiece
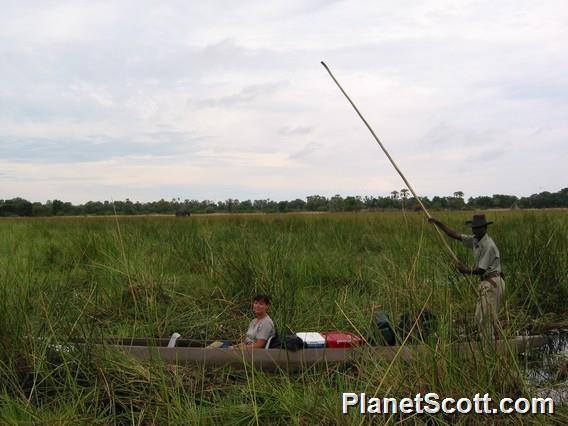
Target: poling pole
point(407, 183)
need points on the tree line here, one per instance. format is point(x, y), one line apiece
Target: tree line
point(397, 200)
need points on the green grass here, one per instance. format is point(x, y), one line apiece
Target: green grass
point(152, 276)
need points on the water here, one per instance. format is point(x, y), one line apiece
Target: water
point(547, 370)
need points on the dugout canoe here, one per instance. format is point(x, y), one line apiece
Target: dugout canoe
point(187, 352)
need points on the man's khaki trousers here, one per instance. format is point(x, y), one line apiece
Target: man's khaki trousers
point(487, 309)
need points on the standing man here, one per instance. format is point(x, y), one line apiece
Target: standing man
point(487, 267)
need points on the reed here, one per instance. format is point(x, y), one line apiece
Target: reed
point(152, 276)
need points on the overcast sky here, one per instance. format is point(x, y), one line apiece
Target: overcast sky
point(217, 99)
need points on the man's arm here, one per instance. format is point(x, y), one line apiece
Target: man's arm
point(447, 230)
point(469, 271)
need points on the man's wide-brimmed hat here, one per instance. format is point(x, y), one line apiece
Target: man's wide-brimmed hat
point(478, 221)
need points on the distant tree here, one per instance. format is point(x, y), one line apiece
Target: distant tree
point(247, 206)
point(164, 207)
point(403, 197)
point(261, 205)
point(175, 205)
point(190, 205)
point(296, 205)
point(425, 201)
point(336, 203)
point(482, 202)
point(504, 201)
point(93, 207)
point(222, 206)
point(370, 202)
point(128, 206)
point(200, 206)
point(20, 207)
point(232, 205)
point(38, 210)
point(384, 202)
point(271, 206)
point(353, 204)
point(56, 207)
point(16, 207)
point(456, 202)
point(316, 203)
point(412, 204)
point(439, 202)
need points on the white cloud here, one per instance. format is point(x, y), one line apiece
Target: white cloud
point(157, 99)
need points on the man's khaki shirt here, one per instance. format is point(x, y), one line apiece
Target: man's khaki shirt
point(485, 253)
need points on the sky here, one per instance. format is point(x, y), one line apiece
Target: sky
point(214, 99)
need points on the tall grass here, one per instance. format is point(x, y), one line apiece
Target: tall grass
point(91, 278)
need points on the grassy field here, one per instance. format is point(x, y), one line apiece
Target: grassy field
point(146, 276)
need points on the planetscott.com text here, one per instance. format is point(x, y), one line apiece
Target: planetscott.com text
point(432, 403)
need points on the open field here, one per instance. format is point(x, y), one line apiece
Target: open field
point(152, 276)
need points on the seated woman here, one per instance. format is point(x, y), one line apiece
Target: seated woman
point(260, 329)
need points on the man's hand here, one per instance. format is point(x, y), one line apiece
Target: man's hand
point(461, 267)
point(447, 230)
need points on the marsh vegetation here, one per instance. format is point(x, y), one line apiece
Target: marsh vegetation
point(145, 276)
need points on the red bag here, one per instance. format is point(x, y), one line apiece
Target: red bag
point(341, 339)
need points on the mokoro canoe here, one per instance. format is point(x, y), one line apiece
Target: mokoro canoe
point(187, 352)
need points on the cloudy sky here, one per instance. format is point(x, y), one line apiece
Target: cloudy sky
point(217, 99)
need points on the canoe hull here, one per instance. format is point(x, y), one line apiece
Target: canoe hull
point(273, 359)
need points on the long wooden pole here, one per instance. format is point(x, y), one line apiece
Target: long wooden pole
point(407, 183)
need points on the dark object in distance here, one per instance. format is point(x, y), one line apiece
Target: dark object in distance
point(183, 213)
